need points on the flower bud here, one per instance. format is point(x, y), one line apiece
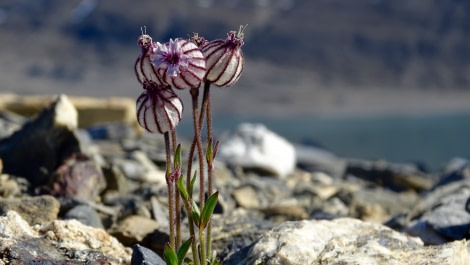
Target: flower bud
point(144, 70)
point(179, 63)
point(224, 59)
point(158, 108)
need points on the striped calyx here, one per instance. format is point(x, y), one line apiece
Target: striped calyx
point(179, 63)
point(144, 70)
point(224, 59)
point(158, 108)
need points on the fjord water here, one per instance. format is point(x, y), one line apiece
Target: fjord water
point(429, 139)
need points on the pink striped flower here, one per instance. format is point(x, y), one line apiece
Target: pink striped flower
point(179, 63)
point(224, 59)
point(158, 108)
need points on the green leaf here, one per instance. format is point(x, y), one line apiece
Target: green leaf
point(170, 255)
point(177, 157)
point(208, 210)
point(182, 188)
point(196, 214)
point(183, 250)
point(209, 152)
point(191, 187)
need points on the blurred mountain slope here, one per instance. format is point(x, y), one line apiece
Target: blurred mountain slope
point(298, 50)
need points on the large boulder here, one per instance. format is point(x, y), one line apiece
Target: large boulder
point(345, 241)
point(41, 145)
point(253, 146)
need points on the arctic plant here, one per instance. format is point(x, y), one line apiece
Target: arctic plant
point(186, 64)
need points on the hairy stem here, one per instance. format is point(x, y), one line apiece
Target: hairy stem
point(171, 193)
point(203, 252)
point(177, 198)
point(187, 206)
point(197, 133)
point(210, 168)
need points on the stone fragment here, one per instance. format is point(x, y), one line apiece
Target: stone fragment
point(134, 229)
point(345, 241)
point(40, 146)
point(11, 187)
point(246, 197)
point(85, 215)
point(34, 210)
point(144, 256)
point(78, 177)
point(146, 169)
point(254, 147)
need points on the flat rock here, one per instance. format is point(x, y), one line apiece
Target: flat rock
point(91, 110)
point(34, 210)
point(253, 146)
point(346, 241)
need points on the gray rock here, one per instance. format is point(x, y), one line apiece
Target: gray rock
point(314, 159)
point(85, 215)
point(397, 177)
point(253, 146)
point(35, 210)
point(111, 131)
point(144, 256)
point(44, 143)
point(443, 211)
point(237, 230)
point(115, 180)
point(345, 241)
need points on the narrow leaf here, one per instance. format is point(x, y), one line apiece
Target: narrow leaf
point(191, 188)
point(216, 148)
point(196, 214)
point(182, 188)
point(170, 255)
point(209, 152)
point(183, 250)
point(208, 210)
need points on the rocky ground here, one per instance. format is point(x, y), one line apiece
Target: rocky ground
point(96, 194)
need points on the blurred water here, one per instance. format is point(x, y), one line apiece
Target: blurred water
point(431, 139)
